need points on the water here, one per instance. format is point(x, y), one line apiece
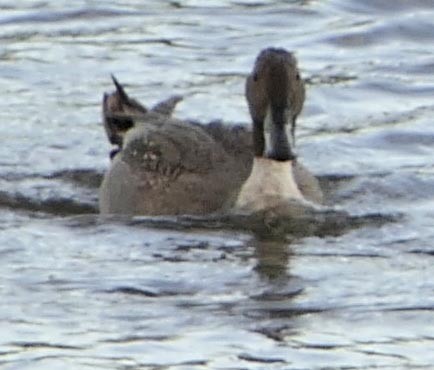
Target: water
point(79, 292)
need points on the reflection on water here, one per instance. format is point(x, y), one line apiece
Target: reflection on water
point(82, 292)
point(272, 259)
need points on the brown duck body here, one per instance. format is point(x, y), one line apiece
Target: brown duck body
point(166, 166)
point(169, 166)
point(177, 167)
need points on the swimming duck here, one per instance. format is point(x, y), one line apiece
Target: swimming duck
point(165, 166)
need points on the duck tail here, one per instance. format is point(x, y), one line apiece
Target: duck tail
point(120, 90)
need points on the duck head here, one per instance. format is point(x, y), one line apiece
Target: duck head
point(275, 94)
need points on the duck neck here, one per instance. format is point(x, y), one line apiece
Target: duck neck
point(270, 136)
point(270, 183)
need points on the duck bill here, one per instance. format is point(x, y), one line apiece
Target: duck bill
point(277, 133)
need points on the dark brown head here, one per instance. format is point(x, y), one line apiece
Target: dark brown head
point(275, 94)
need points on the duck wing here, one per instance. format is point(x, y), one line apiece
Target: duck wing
point(167, 106)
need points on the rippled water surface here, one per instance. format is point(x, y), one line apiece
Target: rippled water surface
point(80, 292)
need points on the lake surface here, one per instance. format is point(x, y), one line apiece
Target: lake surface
point(80, 292)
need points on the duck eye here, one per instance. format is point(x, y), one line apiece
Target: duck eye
point(255, 77)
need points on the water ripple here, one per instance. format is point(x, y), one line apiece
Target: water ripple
point(83, 292)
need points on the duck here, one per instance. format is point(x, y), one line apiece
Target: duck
point(166, 166)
